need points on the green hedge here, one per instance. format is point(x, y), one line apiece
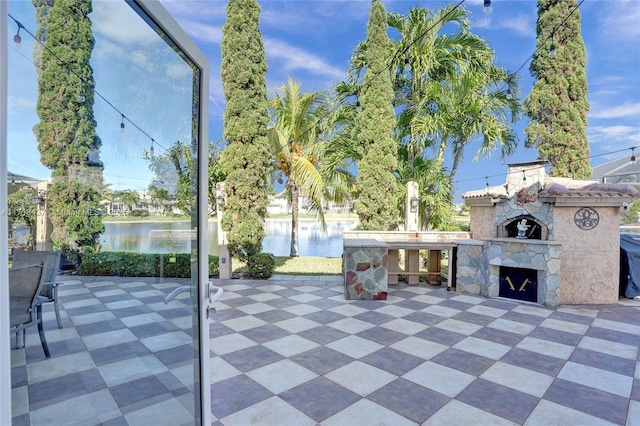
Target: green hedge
point(127, 264)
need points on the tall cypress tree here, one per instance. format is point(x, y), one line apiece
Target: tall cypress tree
point(66, 133)
point(557, 105)
point(377, 186)
point(246, 159)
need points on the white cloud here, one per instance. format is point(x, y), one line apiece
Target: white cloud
point(293, 58)
point(520, 23)
point(612, 138)
point(625, 110)
point(621, 17)
point(201, 31)
point(119, 23)
point(16, 104)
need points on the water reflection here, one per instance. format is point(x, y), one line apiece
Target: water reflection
point(175, 237)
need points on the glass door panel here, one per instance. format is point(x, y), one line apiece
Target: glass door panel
point(129, 347)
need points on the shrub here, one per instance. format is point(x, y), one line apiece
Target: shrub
point(128, 264)
point(261, 265)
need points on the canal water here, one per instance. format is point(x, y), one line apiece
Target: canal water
point(174, 237)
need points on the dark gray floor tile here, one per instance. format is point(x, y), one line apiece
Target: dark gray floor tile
point(382, 335)
point(249, 291)
point(424, 318)
point(140, 393)
point(176, 356)
point(463, 361)
point(455, 304)
point(239, 301)
point(47, 392)
point(100, 327)
point(265, 333)
point(499, 400)
point(118, 352)
point(566, 316)
point(235, 394)
point(118, 421)
point(409, 400)
point(288, 292)
point(588, 400)
point(323, 335)
point(499, 304)
point(114, 298)
point(324, 317)
point(473, 318)
point(376, 318)
point(319, 398)
point(274, 315)
point(56, 349)
point(251, 358)
point(324, 303)
point(227, 314)
point(216, 330)
point(321, 360)
point(534, 361)
point(439, 335)
point(282, 303)
point(498, 336)
point(524, 318)
point(557, 336)
point(614, 336)
point(133, 310)
point(153, 329)
point(19, 376)
point(84, 310)
point(603, 361)
point(411, 304)
point(22, 420)
point(635, 390)
point(175, 313)
point(621, 314)
point(393, 361)
point(325, 293)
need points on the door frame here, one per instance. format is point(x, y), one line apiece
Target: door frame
point(165, 21)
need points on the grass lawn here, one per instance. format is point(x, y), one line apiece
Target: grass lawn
point(306, 265)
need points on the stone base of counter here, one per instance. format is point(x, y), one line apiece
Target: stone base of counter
point(365, 268)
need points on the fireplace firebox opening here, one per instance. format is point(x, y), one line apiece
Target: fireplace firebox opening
point(519, 283)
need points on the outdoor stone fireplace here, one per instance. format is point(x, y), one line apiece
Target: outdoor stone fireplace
point(544, 240)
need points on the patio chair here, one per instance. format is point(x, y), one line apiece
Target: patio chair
point(51, 261)
point(25, 283)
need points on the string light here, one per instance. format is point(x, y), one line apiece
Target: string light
point(487, 7)
point(81, 98)
point(633, 155)
point(524, 177)
point(16, 38)
point(407, 65)
point(358, 106)
point(552, 48)
point(151, 150)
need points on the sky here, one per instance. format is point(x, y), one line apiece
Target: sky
point(312, 42)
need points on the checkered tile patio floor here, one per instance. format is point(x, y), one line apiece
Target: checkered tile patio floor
point(295, 352)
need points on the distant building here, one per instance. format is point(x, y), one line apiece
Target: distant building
point(622, 170)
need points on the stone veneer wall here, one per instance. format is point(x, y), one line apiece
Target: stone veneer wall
point(365, 268)
point(543, 212)
point(478, 270)
point(590, 258)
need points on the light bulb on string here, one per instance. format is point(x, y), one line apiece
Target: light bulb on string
point(122, 123)
point(509, 93)
point(524, 177)
point(633, 155)
point(358, 106)
point(487, 7)
point(407, 65)
point(552, 51)
point(151, 150)
point(16, 38)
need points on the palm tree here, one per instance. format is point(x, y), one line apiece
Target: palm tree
point(300, 141)
point(129, 198)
